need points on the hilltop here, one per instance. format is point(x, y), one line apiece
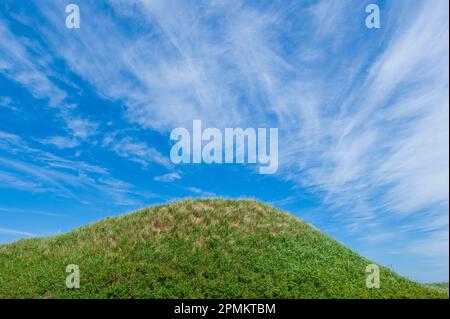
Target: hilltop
point(196, 249)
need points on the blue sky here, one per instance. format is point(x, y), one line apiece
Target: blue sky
point(86, 115)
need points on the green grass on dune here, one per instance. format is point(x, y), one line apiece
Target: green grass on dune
point(196, 249)
point(440, 286)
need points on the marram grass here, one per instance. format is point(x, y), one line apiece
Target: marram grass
point(196, 249)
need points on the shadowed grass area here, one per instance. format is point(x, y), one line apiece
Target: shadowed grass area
point(196, 249)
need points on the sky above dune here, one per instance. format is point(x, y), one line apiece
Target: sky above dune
point(362, 115)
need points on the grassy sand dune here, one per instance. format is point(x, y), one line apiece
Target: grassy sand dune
point(196, 249)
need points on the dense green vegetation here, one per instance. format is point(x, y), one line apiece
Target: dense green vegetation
point(440, 286)
point(196, 249)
